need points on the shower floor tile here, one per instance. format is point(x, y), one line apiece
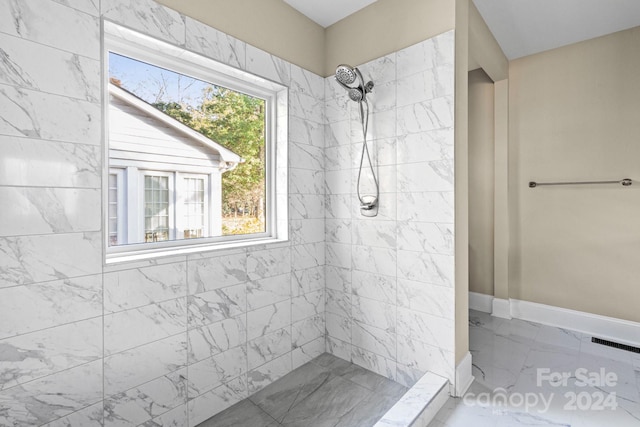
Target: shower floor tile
point(327, 391)
point(512, 360)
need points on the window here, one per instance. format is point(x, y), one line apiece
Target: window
point(193, 150)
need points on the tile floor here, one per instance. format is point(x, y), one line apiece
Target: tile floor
point(326, 392)
point(513, 359)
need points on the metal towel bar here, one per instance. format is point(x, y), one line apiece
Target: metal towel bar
point(625, 182)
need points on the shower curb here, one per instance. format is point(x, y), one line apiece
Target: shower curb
point(419, 405)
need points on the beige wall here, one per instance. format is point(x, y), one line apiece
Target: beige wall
point(481, 182)
point(575, 115)
point(384, 27)
point(462, 180)
point(271, 25)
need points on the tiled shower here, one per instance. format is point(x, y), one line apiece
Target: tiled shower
point(175, 340)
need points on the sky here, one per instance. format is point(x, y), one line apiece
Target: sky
point(145, 81)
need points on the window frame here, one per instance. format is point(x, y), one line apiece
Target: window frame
point(123, 41)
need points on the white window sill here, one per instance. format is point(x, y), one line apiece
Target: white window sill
point(153, 253)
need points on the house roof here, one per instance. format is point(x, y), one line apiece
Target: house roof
point(229, 158)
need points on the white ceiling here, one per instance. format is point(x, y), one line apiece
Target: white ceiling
point(525, 27)
point(521, 27)
point(328, 12)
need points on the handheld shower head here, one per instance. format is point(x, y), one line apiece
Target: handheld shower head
point(345, 74)
point(356, 94)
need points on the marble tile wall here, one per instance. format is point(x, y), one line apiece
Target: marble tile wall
point(389, 279)
point(165, 342)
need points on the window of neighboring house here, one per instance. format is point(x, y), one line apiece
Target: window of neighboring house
point(192, 149)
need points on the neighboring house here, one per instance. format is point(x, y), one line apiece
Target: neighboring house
point(164, 177)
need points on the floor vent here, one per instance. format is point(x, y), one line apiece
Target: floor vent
point(616, 345)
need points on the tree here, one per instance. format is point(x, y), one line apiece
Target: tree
point(235, 121)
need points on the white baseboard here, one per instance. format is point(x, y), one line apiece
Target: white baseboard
point(464, 378)
point(501, 308)
point(609, 328)
point(480, 302)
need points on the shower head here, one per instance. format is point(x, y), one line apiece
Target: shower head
point(346, 74)
point(356, 94)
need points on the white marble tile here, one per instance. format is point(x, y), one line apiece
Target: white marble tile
point(268, 319)
point(264, 349)
point(374, 260)
point(306, 132)
point(128, 289)
point(149, 400)
point(374, 313)
point(33, 307)
point(338, 181)
point(52, 24)
point(147, 17)
point(426, 116)
point(380, 234)
point(338, 279)
point(32, 114)
point(35, 355)
point(429, 84)
point(33, 162)
point(66, 73)
point(272, 262)
point(426, 237)
point(438, 331)
point(338, 230)
point(336, 108)
point(380, 70)
point(381, 151)
point(308, 280)
point(214, 371)
point(215, 44)
point(436, 51)
point(217, 272)
point(338, 255)
point(91, 416)
point(304, 181)
point(266, 374)
point(338, 302)
point(307, 352)
point(339, 157)
point(305, 156)
point(338, 327)
point(338, 133)
point(268, 291)
point(214, 306)
point(177, 417)
point(52, 397)
point(306, 206)
point(430, 268)
point(382, 125)
point(306, 107)
point(210, 340)
point(427, 176)
point(131, 328)
point(374, 286)
point(425, 146)
point(311, 254)
point(374, 362)
point(217, 400)
point(306, 82)
point(269, 66)
point(31, 259)
point(30, 210)
point(375, 340)
point(139, 365)
point(307, 305)
point(383, 97)
point(339, 205)
point(307, 330)
point(424, 357)
point(426, 298)
point(428, 207)
point(92, 7)
point(587, 347)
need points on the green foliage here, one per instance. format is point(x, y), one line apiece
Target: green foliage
point(235, 121)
